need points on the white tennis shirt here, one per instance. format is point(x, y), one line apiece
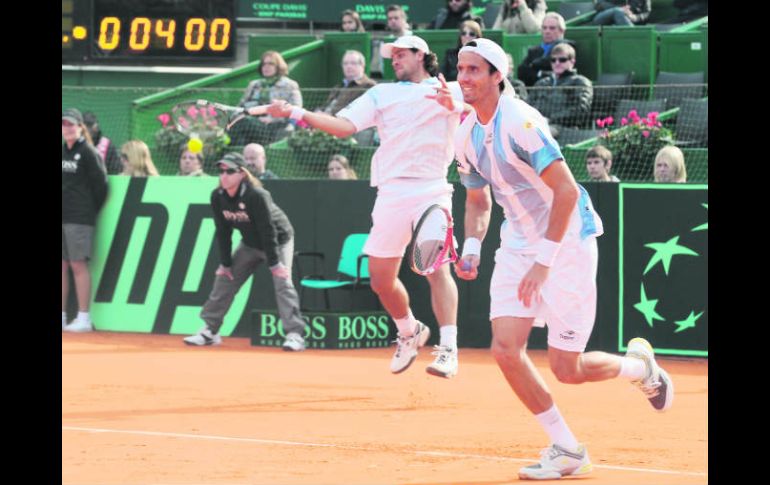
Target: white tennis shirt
point(416, 133)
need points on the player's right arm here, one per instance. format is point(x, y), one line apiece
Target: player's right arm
point(478, 208)
point(339, 127)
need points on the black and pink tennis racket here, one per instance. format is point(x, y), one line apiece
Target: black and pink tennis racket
point(433, 242)
point(202, 119)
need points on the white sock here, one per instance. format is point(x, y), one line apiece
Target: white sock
point(448, 336)
point(64, 318)
point(84, 317)
point(558, 431)
point(407, 325)
point(632, 368)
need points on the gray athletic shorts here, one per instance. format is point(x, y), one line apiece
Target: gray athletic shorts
point(76, 242)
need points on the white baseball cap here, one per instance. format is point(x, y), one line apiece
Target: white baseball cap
point(491, 51)
point(404, 42)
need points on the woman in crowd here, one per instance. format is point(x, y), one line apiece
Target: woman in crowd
point(136, 159)
point(339, 169)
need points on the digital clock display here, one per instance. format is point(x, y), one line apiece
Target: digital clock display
point(151, 29)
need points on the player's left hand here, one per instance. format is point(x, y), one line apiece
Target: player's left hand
point(532, 283)
point(443, 96)
point(280, 271)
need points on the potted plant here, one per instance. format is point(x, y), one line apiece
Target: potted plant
point(634, 143)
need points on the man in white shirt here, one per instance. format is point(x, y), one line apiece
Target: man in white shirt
point(545, 268)
point(409, 170)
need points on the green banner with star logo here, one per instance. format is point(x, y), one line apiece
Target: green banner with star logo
point(663, 267)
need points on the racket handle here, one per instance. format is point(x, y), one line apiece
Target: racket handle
point(466, 265)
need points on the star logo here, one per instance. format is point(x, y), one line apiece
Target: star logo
point(702, 227)
point(647, 308)
point(665, 251)
point(688, 322)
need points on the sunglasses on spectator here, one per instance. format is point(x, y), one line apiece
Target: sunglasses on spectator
point(560, 59)
point(228, 171)
point(470, 34)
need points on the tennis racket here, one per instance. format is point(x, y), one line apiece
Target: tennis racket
point(203, 119)
point(433, 242)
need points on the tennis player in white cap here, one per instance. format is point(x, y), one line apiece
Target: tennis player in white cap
point(545, 268)
point(409, 170)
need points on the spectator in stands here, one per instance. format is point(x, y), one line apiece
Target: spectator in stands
point(599, 163)
point(190, 164)
point(103, 145)
point(564, 97)
point(691, 10)
point(469, 30)
point(518, 85)
point(397, 26)
point(351, 22)
point(267, 236)
point(275, 84)
point(136, 159)
point(339, 168)
point(537, 62)
point(520, 16)
point(455, 13)
point(83, 192)
point(397, 21)
point(354, 83)
point(621, 12)
point(255, 159)
point(669, 165)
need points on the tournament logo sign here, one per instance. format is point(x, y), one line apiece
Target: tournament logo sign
point(326, 330)
point(663, 267)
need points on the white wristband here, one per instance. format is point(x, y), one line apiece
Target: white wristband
point(297, 113)
point(471, 246)
point(546, 252)
point(459, 107)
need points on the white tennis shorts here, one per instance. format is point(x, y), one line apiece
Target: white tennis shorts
point(568, 303)
point(398, 207)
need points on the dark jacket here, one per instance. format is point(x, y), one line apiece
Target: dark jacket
point(536, 64)
point(262, 224)
point(446, 19)
point(341, 95)
point(83, 183)
point(449, 66)
point(570, 106)
point(640, 8)
point(106, 148)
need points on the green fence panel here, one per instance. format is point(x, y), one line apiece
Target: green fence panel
point(517, 45)
point(627, 49)
point(339, 42)
point(682, 52)
point(258, 44)
point(588, 50)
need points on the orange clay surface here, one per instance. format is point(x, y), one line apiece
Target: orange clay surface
point(146, 409)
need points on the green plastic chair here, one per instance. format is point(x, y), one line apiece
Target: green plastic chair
point(352, 269)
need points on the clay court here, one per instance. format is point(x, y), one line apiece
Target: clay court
point(145, 409)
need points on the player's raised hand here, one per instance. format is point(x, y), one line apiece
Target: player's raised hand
point(443, 96)
point(279, 108)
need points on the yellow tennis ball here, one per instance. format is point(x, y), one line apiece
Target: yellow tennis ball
point(195, 145)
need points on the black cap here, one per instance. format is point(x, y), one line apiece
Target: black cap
point(72, 115)
point(89, 118)
point(232, 160)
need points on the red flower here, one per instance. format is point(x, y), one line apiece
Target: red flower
point(192, 112)
point(609, 120)
point(623, 121)
point(645, 133)
point(600, 123)
point(164, 119)
point(302, 124)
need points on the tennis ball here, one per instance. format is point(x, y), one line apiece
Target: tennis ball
point(195, 145)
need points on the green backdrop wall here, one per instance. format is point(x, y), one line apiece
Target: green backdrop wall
point(155, 257)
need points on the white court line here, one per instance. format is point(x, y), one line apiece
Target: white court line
point(358, 448)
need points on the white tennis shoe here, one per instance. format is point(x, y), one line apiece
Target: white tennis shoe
point(557, 462)
point(445, 364)
point(406, 348)
point(656, 385)
point(203, 337)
